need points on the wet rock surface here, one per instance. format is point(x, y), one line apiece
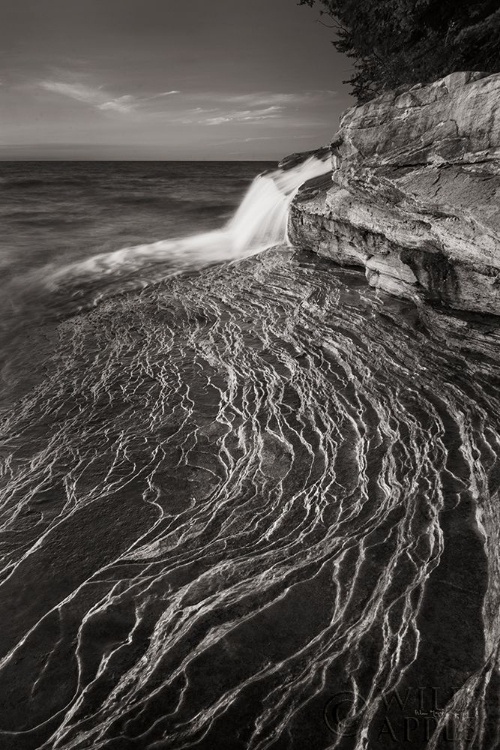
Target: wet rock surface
point(243, 505)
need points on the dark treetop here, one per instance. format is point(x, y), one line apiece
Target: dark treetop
point(397, 42)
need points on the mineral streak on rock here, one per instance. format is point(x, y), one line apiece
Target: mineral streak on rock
point(238, 496)
point(243, 500)
point(415, 195)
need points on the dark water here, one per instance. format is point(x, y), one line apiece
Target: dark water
point(56, 212)
point(240, 503)
point(55, 215)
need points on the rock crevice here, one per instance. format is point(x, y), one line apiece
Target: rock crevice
point(415, 194)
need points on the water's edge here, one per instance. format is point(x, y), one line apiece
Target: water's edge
point(242, 502)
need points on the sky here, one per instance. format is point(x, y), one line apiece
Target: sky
point(166, 79)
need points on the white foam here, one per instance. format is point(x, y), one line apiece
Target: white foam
point(259, 223)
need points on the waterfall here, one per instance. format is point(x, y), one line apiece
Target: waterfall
point(259, 223)
point(261, 220)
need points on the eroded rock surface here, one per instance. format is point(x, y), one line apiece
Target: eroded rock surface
point(415, 196)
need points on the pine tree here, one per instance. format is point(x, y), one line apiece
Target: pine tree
point(394, 42)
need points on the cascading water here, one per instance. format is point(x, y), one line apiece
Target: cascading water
point(261, 220)
point(259, 223)
point(242, 504)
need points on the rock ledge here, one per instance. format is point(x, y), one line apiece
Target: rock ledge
point(415, 196)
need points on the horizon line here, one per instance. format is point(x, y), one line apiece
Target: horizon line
point(181, 161)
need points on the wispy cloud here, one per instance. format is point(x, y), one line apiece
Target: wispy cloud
point(196, 108)
point(263, 98)
point(256, 107)
point(159, 96)
point(246, 115)
point(98, 97)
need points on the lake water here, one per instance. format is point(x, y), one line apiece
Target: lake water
point(243, 494)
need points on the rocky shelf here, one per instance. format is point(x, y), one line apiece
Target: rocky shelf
point(414, 198)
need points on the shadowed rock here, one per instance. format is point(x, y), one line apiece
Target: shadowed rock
point(415, 194)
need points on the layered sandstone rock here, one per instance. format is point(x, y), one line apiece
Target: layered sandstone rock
point(415, 195)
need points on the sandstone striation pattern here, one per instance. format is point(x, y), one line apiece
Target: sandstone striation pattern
point(415, 199)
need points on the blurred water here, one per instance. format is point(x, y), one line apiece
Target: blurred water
point(56, 212)
point(237, 501)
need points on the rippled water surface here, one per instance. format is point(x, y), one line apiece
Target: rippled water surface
point(240, 505)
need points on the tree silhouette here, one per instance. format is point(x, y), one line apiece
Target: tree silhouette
point(394, 42)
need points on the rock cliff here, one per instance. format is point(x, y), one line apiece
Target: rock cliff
point(415, 199)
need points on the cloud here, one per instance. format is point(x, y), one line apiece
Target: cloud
point(256, 107)
point(159, 96)
point(194, 108)
point(121, 104)
point(98, 98)
point(246, 115)
point(269, 98)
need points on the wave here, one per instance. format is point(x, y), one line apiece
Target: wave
point(259, 223)
point(35, 182)
point(22, 183)
point(230, 506)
